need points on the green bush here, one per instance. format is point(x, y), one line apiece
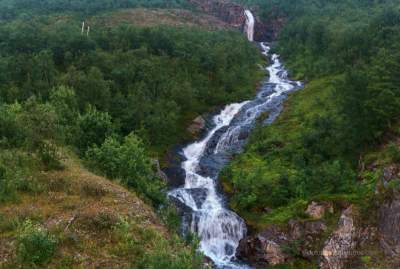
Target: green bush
point(35, 246)
point(128, 162)
point(186, 257)
point(50, 156)
point(7, 188)
point(94, 127)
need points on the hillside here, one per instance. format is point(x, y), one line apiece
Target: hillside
point(95, 223)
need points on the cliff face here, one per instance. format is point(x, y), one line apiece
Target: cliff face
point(233, 14)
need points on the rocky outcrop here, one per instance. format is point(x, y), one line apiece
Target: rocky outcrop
point(318, 210)
point(389, 228)
point(268, 247)
point(340, 246)
point(229, 12)
point(233, 14)
point(264, 248)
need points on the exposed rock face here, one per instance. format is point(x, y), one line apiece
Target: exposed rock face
point(338, 249)
point(229, 12)
point(318, 210)
point(389, 228)
point(267, 247)
point(264, 248)
point(233, 14)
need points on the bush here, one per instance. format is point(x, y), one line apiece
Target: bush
point(35, 246)
point(162, 257)
point(7, 188)
point(50, 156)
point(94, 127)
point(128, 161)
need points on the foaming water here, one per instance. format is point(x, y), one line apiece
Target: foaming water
point(219, 229)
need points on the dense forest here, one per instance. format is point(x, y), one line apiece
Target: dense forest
point(347, 52)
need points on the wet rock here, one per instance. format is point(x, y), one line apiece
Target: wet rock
point(174, 172)
point(197, 126)
point(389, 228)
point(264, 248)
point(339, 247)
point(199, 195)
point(175, 175)
point(318, 210)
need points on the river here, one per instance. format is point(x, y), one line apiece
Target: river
point(208, 215)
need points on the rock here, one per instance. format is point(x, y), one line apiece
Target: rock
point(296, 230)
point(264, 248)
point(197, 126)
point(174, 172)
point(389, 228)
point(390, 173)
point(314, 227)
point(338, 248)
point(233, 15)
point(176, 176)
point(160, 173)
point(318, 210)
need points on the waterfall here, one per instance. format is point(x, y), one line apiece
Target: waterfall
point(206, 212)
point(249, 26)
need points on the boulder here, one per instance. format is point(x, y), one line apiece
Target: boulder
point(339, 247)
point(197, 126)
point(264, 249)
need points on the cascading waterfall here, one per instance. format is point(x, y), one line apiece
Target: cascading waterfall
point(219, 229)
point(249, 26)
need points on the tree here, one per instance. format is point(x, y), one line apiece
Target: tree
point(94, 126)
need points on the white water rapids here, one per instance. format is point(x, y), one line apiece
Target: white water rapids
point(219, 229)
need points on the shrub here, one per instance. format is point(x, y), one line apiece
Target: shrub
point(186, 257)
point(94, 126)
point(128, 161)
point(50, 156)
point(35, 246)
point(7, 188)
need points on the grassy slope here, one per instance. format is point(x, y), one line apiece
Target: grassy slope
point(82, 210)
point(154, 17)
point(301, 105)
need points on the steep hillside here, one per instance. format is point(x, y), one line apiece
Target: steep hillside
point(93, 222)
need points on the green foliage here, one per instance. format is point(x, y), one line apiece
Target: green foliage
point(150, 80)
point(152, 250)
point(65, 103)
point(35, 246)
point(129, 162)
point(162, 257)
point(16, 174)
point(94, 127)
